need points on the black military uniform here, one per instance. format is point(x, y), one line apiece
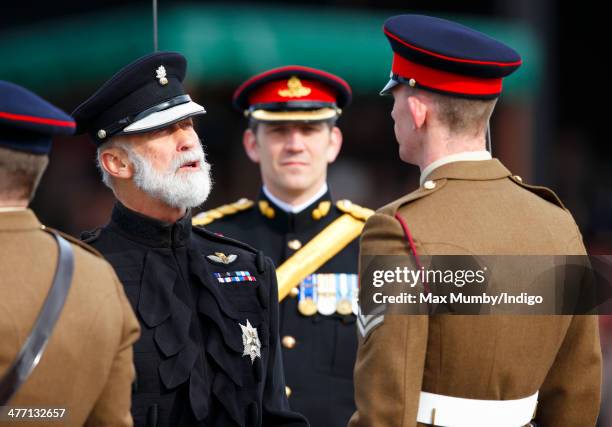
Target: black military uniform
point(318, 349)
point(207, 305)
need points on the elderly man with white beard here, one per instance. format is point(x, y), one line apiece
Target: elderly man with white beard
point(207, 305)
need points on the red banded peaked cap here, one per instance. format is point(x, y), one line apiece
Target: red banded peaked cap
point(292, 88)
point(444, 56)
point(28, 122)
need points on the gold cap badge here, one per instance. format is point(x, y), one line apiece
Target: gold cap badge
point(295, 89)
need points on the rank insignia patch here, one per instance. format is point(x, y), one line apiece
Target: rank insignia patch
point(235, 276)
point(367, 323)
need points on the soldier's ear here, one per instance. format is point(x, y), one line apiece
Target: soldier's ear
point(115, 161)
point(251, 147)
point(418, 111)
point(335, 138)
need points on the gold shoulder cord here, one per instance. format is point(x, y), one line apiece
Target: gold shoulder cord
point(209, 216)
point(324, 246)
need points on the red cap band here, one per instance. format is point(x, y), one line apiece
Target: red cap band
point(443, 80)
point(292, 89)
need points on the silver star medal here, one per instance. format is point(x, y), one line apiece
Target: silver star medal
point(160, 74)
point(250, 340)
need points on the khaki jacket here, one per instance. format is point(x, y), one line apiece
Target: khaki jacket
point(477, 207)
point(87, 366)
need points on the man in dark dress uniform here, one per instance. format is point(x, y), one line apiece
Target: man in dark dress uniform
point(209, 352)
point(312, 239)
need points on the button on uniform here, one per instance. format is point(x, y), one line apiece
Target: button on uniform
point(289, 342)
point(294, 244)
point(429, 185)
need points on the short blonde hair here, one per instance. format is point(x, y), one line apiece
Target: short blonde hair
point(20, 173)
point(464, 116)
point(461, 116)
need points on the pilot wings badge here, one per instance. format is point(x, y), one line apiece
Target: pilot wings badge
point(221, 258)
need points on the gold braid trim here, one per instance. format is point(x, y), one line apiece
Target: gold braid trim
point(205, 218)
point(324, 246)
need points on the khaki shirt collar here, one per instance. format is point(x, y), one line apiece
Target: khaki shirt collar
point(480, 170)
point(23, 219)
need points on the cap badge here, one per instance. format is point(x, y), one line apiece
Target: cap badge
point(294, 89)
point(221, 258)
point(250, 340)
point(160, 74)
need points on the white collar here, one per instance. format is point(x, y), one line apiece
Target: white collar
point(295, 208)
point(457, 157)
point(12, 209)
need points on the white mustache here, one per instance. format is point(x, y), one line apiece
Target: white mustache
point(189, 157)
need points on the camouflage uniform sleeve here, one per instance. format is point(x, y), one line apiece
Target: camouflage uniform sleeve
point(390, 360)
point(113, 405)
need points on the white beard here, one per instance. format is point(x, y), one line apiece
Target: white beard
point(182, 190)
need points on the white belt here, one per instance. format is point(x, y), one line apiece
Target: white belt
point(448, 411)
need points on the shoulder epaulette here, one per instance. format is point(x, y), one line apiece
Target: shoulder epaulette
point(206, 217)
point(428, 187)
point(91, 235)
point(356, 211)
point(223, 239)
point(544, 192)
point(77, 242)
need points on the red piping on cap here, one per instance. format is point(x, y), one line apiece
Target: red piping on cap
point(40, 120)
point(450, 58)
point(297, 69)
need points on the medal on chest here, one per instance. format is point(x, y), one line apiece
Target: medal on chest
point(250, 341)
point(328, 293)
point(307, 298)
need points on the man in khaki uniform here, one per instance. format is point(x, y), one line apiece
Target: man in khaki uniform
point(451, 370)
point(86, 367)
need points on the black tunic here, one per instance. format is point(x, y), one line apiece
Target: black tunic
point(190, 368)
point(319, 368)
